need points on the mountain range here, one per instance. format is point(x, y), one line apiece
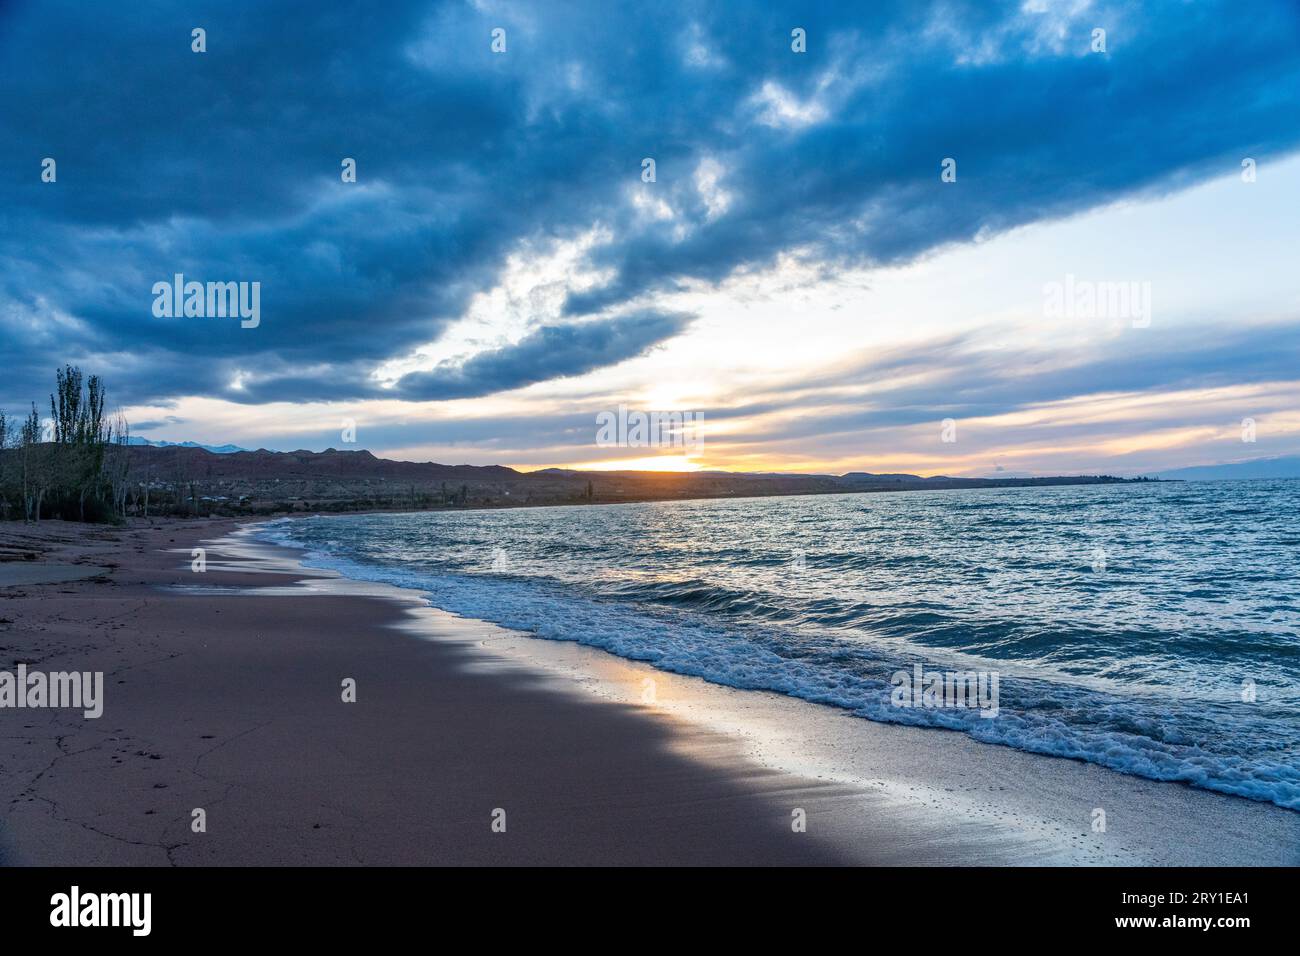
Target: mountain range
point(215, 449)
point(1281, 466)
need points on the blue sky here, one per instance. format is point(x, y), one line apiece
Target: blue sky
point(798, 271)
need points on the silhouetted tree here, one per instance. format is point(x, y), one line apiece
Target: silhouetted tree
point(68, 472)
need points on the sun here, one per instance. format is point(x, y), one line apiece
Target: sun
point(648, 463)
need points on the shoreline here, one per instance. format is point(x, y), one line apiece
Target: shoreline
point(994, 484)
point(1040, 806)
point(231, 712)
point(223, 694)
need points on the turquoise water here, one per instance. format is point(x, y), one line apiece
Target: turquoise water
point(1126, 623)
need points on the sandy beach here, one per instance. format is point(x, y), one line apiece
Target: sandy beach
point(224, 692)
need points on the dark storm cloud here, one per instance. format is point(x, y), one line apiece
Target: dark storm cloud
point(552, 351)
point(548, 352)
point(224, 165)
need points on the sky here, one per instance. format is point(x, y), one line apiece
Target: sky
point(940, 238)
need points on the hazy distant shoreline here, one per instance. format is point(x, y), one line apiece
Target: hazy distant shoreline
point(192, 481)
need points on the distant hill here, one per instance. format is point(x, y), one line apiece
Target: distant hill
point(1283, 466)
point(215, 449)
point(285, 465)
point(263, 482)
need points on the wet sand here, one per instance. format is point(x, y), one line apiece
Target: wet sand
point(231, 703)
